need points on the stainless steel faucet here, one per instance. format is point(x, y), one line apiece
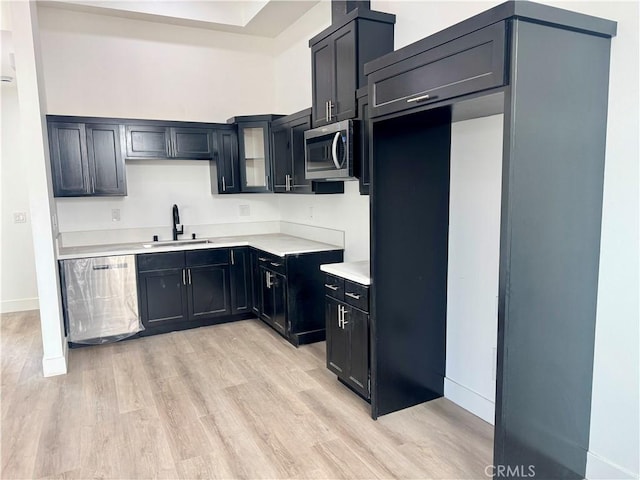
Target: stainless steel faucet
point(176, 222)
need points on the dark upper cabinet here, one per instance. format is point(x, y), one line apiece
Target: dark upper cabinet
point(157, 141)
point(70, 168)
point(338, 55)
point(192, 143)
point(362, 166)
point(106, 162)
point(148, 141)
point(86, 159)
point(227, 162)
point(254, 156)
point(287, 140)
point(240, 280)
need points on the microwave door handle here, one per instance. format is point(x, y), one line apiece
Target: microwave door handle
point(334, 150)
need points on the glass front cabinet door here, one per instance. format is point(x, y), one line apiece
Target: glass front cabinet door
point(255, 161)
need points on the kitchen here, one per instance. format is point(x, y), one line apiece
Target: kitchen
point(198, 206)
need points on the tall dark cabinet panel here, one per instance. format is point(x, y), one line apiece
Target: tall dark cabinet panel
point(70, 168)
point(228, 175)
point(552, 183)
point(106, 163)
point(362, 166)
point(338, 55)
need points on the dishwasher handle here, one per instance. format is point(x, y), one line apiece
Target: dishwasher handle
point(108, 267)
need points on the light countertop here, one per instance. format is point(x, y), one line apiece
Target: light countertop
point(276, 244)
point(355, 271)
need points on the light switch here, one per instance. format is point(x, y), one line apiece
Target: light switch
point(20, 217)
point(115, 215)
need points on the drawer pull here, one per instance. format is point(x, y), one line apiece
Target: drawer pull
point(352, 295)
point(421, 98)
point(332, 287)
point(262, 259)
point(276, 264)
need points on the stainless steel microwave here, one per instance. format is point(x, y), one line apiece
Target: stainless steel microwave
point(328, 153)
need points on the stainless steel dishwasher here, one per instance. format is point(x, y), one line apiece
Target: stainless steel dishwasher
point(101, 299)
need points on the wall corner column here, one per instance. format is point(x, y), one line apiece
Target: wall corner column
point(35, 154)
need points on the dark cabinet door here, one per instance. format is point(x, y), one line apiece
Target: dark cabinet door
point(344, 79)
point(106, 162)
point(357, 323)
point(298, 182)
point(274, 299)
point(163, 296)
point(192, 143)
point(227, 162)
point(208, 291)
point(337, 338)
point(240, 281)
point(146, 141)
point(69, 164)
point(280, 141)
point(279, 291)
point(256, 284)
point(322, 65)
point(254, 156)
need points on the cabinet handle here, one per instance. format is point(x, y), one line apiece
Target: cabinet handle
point(232, 259)
point(326, 111)
point(276, 264)
point(352, 295)
point(262, 259)
point(287, 188)
point(421, 98)
point(184, 277)
point(268, 279)
point(189, 276)
point(224, 185)
point(344, 312)
point(93, 185)
point(266, 181)
point(330, 109)
point(332, 287)
point(340, 316)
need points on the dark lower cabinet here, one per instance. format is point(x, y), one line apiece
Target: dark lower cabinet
point(162, 297)
point(192, 288)
point(348, 334)
point(274, 300)
point(208, 291)
point(288, 293)
point(240, 280)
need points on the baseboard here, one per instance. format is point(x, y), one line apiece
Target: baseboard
point(470, 400)
point(20, 305)
point(599, 468)
point(56, 365)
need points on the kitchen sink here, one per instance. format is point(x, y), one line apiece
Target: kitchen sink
point(176, 243)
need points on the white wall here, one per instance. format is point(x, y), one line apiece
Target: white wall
point(474, 250)
point(18, 290)
point(104, 66)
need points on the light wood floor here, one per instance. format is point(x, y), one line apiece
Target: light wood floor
point(228, 401)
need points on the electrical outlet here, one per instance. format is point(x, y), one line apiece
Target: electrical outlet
point(245, 210)
point(20, 217)
point(115, 214)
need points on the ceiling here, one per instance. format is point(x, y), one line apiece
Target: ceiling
point(264, 18)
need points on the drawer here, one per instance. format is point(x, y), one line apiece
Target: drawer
point(272, 262)
point(160, 261)
point(334, 286)
point(468, 64)
point(215, 256)
point(356, 295)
